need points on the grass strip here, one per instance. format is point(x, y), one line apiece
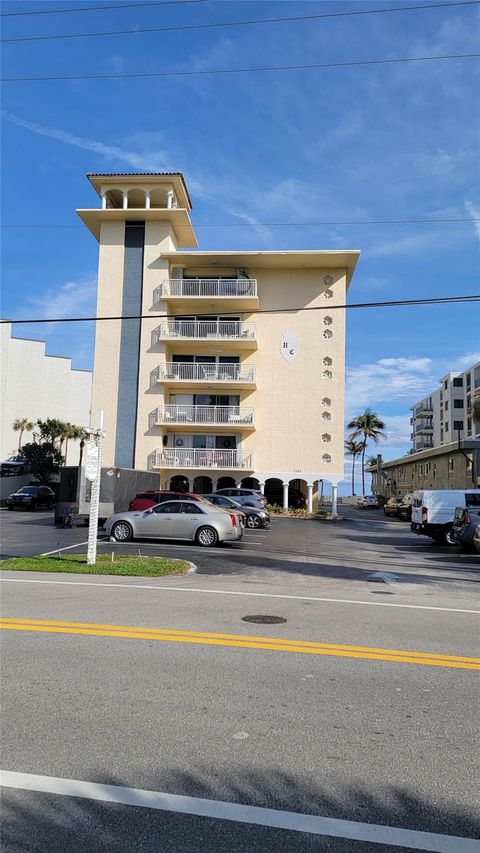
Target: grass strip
point(138, 566)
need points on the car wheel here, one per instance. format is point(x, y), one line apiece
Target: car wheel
point(448, 537)
point(122, 531)
point(206, 537)
point(254, 521)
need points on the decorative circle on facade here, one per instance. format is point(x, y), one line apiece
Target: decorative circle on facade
point(328, 294)
point(327, 374)
point(327, 333)
point(328, 280)
point(327, 361)
point(326, 437)
point(326, 416)
point(326, 401)
point(179, 442)
point(326, 458)
point(327, 321)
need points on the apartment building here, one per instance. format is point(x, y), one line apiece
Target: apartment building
point(234, 375)
point(444, 415)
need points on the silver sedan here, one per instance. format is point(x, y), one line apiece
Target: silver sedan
point(194, 520)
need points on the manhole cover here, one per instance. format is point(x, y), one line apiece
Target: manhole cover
point(264, 620)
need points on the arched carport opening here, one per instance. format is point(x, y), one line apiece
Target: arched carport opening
point(202, 485)
point(251, 483)
point(136, 198)
point(274, 491)
point(179, 483)
point(226, 483)
point(297, 494)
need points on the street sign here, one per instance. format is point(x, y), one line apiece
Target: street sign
point(91, 461)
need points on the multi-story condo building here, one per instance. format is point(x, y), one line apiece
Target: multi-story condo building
point(234, 374)
point(445, 415)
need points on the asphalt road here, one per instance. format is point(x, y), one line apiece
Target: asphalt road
point(368, 740)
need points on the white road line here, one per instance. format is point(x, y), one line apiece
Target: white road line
point(235, 592)
point(219, 810)
point(57, 550)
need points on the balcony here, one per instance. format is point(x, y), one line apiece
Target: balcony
point(182, 374)
point(189, 417)
point(223, 293)
point(205, 333)
point(181, 458)
point(425, 430)
point(423, 412)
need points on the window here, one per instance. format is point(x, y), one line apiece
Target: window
point(458, 404)
point(167, 507)
point(469, 381)
point(458, 382)
point(450, 464)
point(190, 509)
point(469, 426)
point(446, 426)
point(434, 473)
point(445, 384)
point(446, 405)
point(458, 425)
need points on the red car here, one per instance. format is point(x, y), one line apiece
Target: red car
point(144, 500)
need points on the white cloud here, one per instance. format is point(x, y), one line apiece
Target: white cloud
point(149, 160)
point(474, 212)
point(466, 361)
point(389, 380)
point(71, 299)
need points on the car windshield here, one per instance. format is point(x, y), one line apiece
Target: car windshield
point(27, 490)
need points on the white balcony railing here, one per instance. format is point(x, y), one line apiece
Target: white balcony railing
point(211, 287)
point(186, 457)
point(198, 372)
point(232, 415)
point(214, 329)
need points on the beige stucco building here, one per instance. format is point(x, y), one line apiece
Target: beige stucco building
point(448, 466)
point(235, 372)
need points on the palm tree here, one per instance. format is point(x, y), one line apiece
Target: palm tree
point(370, 427)
point(73, 432)
point(353, 448)
point(22, 425)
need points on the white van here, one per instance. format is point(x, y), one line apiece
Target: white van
point(433, 511)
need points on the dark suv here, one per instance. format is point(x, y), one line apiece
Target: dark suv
point(31, 497)
point(144, 500)
point(246, 497)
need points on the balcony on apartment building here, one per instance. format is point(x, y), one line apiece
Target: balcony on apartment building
point(205, 333)
point(209, 417)
point(427, 429)
point(217, 293)
point(423, 411)
point(175, 457)
point(181, 374)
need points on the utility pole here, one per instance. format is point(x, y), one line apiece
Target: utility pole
point(93, 470)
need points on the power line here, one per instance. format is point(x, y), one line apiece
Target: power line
point(223, 24)
point(215, 71)
point(108, 8)
point(291, 224)
point(439, 300)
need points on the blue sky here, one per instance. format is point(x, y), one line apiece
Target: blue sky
point(386, 142)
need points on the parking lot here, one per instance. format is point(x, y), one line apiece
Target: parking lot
point(365, 542)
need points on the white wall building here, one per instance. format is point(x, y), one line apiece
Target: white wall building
point(36, 385)
point(444, 415)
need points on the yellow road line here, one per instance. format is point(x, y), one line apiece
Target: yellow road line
point(239, 641)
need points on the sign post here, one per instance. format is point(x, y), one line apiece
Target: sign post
point(93, 469)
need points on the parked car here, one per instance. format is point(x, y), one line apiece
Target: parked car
point(405, 508)
point(368, 502)
point(245, 497)
point(13, 465)
point(476, 538)
point(465, 523)
point(32, 497)
point(433, 511)
point(254, 518)
point(392, 506)
point(195, 520)
point(145, 500)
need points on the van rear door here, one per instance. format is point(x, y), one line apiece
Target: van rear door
point(417, 507)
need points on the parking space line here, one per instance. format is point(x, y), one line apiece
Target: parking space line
point(254, 815)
